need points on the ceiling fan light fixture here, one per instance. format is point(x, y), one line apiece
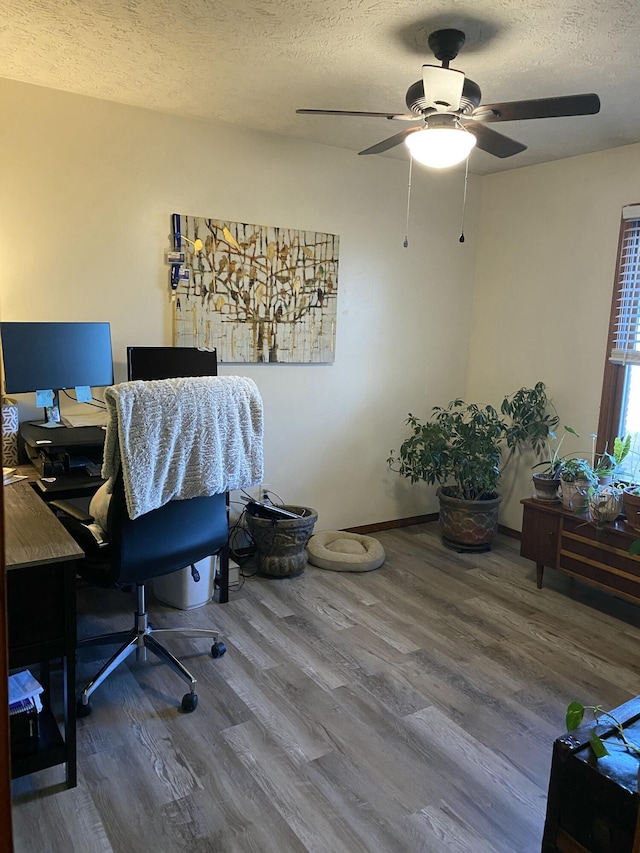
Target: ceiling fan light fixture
point(440, 147)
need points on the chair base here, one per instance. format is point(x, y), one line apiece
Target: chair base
point(140, 638)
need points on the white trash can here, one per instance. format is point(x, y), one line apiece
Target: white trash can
point(179, 589)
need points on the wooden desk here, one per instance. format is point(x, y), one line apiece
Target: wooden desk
point(41, 614)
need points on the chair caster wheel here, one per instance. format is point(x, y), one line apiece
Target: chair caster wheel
point(83, 710)
point(217, 650)
point(189, 703)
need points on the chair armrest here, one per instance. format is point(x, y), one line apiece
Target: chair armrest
point(71, 510)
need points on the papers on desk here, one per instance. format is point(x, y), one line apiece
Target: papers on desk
point(22, 687)
point(97, 418)
point(9, 476)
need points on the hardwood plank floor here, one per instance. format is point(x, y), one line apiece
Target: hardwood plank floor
point(407, 710)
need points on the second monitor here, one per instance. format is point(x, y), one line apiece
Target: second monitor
point(170, 362)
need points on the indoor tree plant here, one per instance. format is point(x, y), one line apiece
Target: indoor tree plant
point(464, 448)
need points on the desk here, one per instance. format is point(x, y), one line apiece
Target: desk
point(41, 616)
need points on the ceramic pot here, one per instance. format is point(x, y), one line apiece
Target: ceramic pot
point(282, 544)
point(574, 495)
point(467, 525)
point(546, 488)
point(631, 505)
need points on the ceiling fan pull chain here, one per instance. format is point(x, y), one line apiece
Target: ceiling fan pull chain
point(406, 233)
point(464, 200)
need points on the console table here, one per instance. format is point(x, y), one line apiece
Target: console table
point(41, 617)
point(560, 539)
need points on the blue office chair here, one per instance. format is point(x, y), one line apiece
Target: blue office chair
point(165, 540)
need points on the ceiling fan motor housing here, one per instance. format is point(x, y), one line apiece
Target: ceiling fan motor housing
point(445, 44)
point(418, 104)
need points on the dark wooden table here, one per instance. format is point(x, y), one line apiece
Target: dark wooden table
point(592, 805)
point(568, 542)
point(41, 615)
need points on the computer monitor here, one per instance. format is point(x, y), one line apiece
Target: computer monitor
point(170, 362)
point(50, 357)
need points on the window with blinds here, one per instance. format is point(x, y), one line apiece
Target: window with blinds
point(625, 346)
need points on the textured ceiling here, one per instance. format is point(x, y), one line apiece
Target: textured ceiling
point(253, 62)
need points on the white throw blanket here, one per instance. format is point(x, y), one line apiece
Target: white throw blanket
point(182, 438)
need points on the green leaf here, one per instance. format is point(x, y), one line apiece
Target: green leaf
point(575, 713)
point(599, 749)
point(634, 548)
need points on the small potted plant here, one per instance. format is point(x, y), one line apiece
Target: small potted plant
point(546, 482)
point(608, 464)
point(576, 477)
point(604, 503)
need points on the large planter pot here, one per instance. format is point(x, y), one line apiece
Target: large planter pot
point(282, 544)
point(574, 495)
point(467, 525)
point(631, 505)
point(546, 488)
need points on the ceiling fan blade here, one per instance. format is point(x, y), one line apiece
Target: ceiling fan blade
point(567, 105)
point(396, 116)
point(494, 143)
point(442, 87)
point(391, 142)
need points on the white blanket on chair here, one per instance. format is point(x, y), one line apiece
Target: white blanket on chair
point(182, 438)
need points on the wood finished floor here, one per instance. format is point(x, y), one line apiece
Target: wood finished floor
point(408, 709)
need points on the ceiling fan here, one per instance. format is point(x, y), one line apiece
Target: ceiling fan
point(453, 119)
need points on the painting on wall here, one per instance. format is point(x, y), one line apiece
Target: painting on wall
point(257, 293)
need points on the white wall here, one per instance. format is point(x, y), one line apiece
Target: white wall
point(86, 196)
point(546, 263)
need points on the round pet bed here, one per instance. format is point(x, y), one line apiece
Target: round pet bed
point(345, 552)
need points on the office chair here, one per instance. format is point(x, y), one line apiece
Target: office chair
point(167, 539)
point(162, 515)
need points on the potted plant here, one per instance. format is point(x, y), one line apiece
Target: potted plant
point(631, 503)
point(546, 483)
point(604, 503)
point(607, 464)
point(576, 476)
point(462, 449)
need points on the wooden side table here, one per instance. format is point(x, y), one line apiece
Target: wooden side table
point(558, 538)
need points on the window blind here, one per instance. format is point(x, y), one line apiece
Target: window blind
point(625, 347)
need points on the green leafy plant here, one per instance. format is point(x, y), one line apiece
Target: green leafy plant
point(608, 463)
point(553, 465)
point(576, 469)
point(461, 447)
point(605, 503)
point(574, 716)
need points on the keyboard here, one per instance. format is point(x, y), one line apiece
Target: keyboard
point(77, 483)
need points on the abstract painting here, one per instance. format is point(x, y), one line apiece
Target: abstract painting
point(257, 293)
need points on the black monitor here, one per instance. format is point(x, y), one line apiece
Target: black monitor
point(170, 362)
point(42, 357)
